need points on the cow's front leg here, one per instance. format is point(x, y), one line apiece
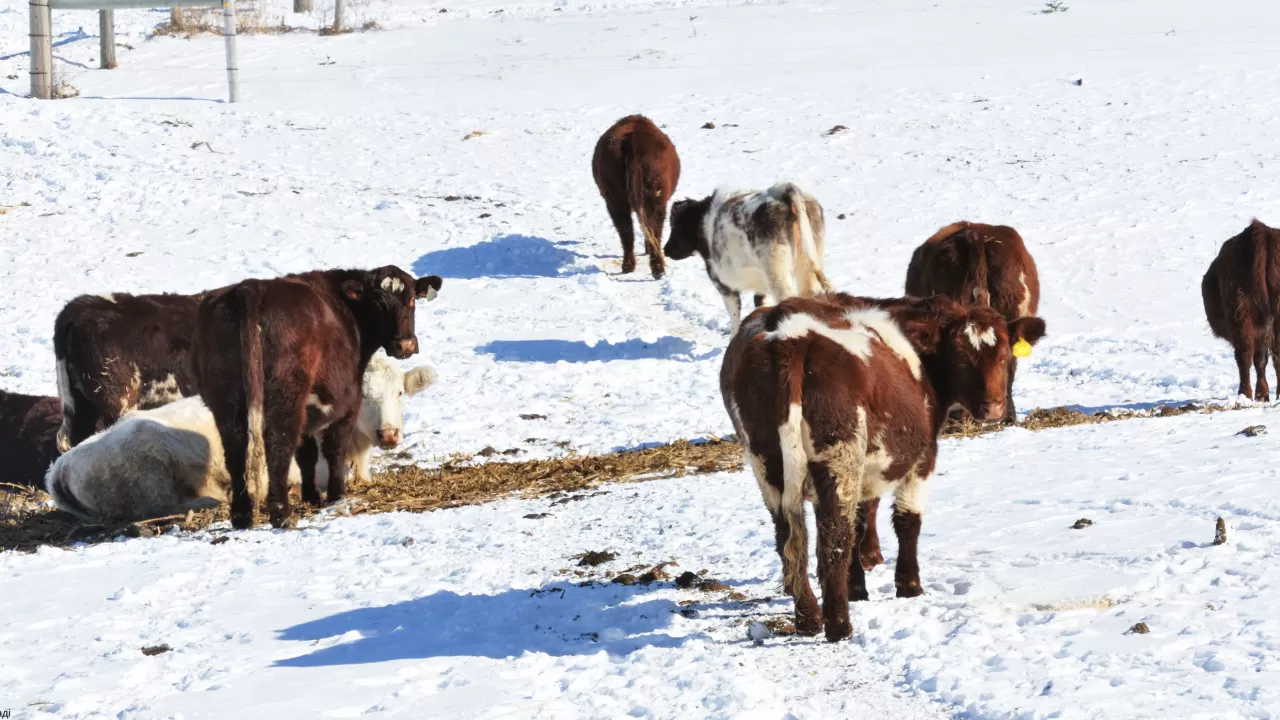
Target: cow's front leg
point(733, 304)
point(333, 445)
point(308, 456)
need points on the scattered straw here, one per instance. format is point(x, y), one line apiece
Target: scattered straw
point(28, 521)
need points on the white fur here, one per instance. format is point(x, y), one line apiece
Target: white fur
point(980, 338)
point(880, 322)
point(170, 459)
point(771, 269)
point(865, 325)
point(391, 284)
point(1024, 304)
point(160, 392)
point(68, 406)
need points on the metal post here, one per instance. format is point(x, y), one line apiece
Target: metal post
point(41, 51)
point(338, 7)
point(229, 32)
point(107, 38)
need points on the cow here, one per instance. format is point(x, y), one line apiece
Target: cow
point(28, 437)
point(170, 459)
point(767, 242)
point(636, 169)
point(277, 359)
point(837, 400)
point(116, 353)
point(983, 265)
point(1241, 293)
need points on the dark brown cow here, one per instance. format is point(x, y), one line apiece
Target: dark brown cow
point(1241, 294)
point(276, 359)
point(28, 437)
point(983, 265)
point(636, 169)
point(839, 400)
point(118, 353)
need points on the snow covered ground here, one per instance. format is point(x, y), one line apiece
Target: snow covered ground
point(346, 151)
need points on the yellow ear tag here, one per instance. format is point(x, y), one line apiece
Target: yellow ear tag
point(1022, 348)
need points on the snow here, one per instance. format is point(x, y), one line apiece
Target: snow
point(344, 151)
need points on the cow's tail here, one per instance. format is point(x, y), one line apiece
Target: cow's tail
point(1262, 296)
point(57, 483)
point(795, 468)
point(978, 267)
point(636, 196)
point(804, 239)
point(66, 398)
point(255, 457)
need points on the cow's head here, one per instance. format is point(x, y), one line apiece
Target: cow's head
point(385, 387)
point(972, 348)
point(688, 228)
point(384, 301)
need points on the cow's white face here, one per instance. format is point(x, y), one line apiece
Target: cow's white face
point(385, 387)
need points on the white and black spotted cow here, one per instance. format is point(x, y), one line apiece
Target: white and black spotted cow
point(170, 459)
point(765, 242)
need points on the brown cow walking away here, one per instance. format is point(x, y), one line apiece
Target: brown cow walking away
point(278, 358)
point(983, 265)
point(839, 400)
point(1241, 294)
point(636, 169)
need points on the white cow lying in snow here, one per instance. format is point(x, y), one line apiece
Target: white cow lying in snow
point(169, 460)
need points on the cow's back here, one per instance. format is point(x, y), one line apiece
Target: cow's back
point(949, 261)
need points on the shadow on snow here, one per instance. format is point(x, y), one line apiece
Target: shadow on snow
point(562, 619)
point(505, 256)
point(576, 351)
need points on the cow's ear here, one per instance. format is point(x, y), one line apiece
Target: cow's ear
point(1029, 328)
point(418, 379)
point(428, 287)
point(924, 335)
point(352, 289)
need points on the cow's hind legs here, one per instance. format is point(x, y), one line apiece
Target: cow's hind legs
point(867, 535)
point(907, 506)
point(284, 420)
point(835, 551)
point(620, 213)
point(1263, 392)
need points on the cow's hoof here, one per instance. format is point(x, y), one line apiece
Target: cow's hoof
point(840, 630)
point(871, 559)
point(628, 265)
point(808, 626)
point(657, 272)
point(242, 520)
point(858, 594)
point(910, 590)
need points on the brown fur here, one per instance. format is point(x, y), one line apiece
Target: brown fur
point(636, 168)
point(1241, 293)
point(28, 437)
point(868, 425)
point(981, 264)
point(275, 359)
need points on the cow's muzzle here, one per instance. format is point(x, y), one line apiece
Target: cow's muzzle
point(993, 411)
point(388, 438)
point(404, 347)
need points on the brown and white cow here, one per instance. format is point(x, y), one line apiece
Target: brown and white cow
point(1241, 293)
point(983, 265)
point(839, 400)
point(766, 242)
point(277, 359)
point(118, 353)
point(28, 437)
point(170, 459)
point(636, 169)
